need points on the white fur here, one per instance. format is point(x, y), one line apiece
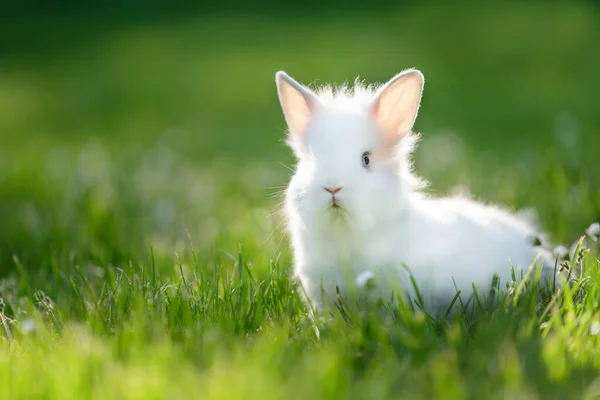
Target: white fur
point(387, 223)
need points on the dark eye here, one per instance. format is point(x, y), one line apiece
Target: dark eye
point(365, 159)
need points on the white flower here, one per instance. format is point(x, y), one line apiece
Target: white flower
point(27, 326)
point(364, 278)
point(595, 328)
point(560, 251)
point(593, 230)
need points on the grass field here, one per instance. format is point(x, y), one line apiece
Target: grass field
point(141, 256)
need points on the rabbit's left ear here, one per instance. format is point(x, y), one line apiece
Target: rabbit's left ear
point(297, 102)
point(396, 104)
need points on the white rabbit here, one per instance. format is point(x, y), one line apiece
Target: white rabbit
point(354, 208)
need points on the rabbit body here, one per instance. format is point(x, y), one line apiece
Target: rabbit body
point(355, 206)
point(446, 244)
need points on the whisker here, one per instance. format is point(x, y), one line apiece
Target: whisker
point(278, 211)
point(276, 195)
point(286, 166)
point(273, 231)
point(275, 187)
point(283, 235)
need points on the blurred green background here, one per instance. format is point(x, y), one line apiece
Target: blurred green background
point(127, 125)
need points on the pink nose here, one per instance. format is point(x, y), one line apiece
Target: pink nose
point(333, 190)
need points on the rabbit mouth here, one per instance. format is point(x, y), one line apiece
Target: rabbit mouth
point(337, 214)
point(336, 206)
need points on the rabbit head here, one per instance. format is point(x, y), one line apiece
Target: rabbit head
point(352, 148)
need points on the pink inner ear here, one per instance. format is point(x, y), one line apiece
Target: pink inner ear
point(396, 108)
point(391, 115)
point(296, 107)
point(389, 135)
point(296, 110)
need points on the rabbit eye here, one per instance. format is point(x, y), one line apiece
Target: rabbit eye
point(365, 159)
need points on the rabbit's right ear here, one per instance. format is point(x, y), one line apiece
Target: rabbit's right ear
point(297, 102)
point(397, 103)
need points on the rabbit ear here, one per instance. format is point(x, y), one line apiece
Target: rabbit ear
point(297, 102)
point(396, 104)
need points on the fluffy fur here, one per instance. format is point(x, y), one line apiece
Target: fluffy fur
point(384, 225)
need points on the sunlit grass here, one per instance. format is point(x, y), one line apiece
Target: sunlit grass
point(141, 248)
point(227, 332)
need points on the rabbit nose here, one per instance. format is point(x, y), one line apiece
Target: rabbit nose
point(333, 191)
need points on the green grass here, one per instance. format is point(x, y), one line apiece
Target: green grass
point(140, 169)
point(225, 333)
